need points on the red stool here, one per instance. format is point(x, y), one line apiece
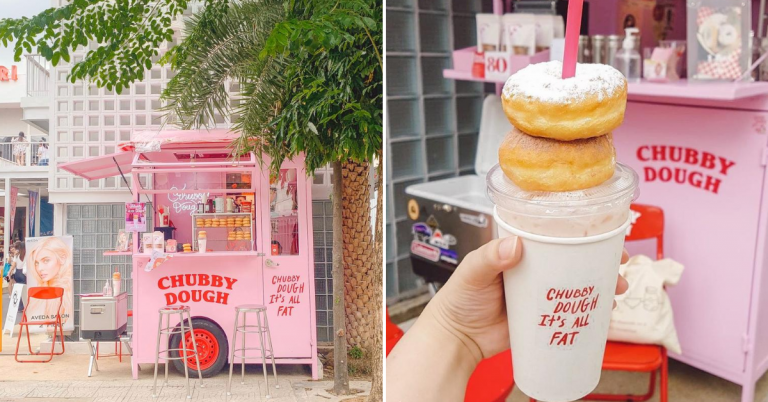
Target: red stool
point(118, 346)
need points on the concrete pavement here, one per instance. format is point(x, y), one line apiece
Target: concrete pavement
point(65, 379)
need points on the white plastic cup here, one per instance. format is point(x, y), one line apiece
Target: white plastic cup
point(560, 296)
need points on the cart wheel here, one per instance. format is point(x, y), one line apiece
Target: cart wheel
point(211, 348)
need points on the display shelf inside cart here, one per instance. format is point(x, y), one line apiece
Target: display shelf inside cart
point(721, 91)
point(213, 214)
point(715, 91)
point(467, 76)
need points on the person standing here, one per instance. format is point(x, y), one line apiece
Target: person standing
point(42, 154)
point(20, 148)
point(9, 260)
point(20, 270)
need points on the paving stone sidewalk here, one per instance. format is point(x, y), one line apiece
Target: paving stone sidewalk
point(64, 379)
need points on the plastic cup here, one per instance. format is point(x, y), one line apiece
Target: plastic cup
point(560, 296)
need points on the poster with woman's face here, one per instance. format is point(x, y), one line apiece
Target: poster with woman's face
point(49, 264)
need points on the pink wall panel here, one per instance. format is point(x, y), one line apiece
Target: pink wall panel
point(288, 284)
point(247, 289)
point(711, 215)
point(761, 323)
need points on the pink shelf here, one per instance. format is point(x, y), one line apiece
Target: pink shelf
point(717, 91)
point(466, 76)
point(722, 91)
point(208, 254)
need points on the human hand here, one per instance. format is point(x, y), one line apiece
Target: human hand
point(471, 304)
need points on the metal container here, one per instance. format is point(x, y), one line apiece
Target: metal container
point(612, 47)
point(598, 49)
point(585, 53)
point(102, 317)
point(450, 218)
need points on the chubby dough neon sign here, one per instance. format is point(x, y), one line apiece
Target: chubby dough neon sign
point(185, 201)
point(9, 75)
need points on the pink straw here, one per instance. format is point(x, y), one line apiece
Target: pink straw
point(572, 31)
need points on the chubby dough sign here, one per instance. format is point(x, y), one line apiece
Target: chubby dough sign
point(206, 288)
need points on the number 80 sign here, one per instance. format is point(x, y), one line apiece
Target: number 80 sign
point(497, 66)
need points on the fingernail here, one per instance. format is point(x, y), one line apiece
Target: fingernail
point(507, 248)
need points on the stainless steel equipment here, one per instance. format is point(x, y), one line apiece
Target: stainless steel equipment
point(103, 318)
point(451, 217)
point(585, 51)
point(613, 46)
point(598, 49)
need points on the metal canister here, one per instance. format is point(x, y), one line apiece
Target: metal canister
point(598, 49)
point(584, 50)
point(613, 47)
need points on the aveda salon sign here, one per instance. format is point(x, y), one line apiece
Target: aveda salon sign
point(9, 74)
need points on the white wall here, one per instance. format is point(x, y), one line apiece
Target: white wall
point(13, 91)
point(11, 124)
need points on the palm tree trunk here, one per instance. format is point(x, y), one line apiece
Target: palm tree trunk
point(359, 257)
point(377, 393)
point(340, 374)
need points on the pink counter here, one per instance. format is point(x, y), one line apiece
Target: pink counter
point(702, 158)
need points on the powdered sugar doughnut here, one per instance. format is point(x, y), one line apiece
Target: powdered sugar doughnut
point(539, 102)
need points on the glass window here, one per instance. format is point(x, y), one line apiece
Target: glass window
point(284, 213)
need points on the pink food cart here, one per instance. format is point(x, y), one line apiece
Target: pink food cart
point(259, 243)
point(701, 152)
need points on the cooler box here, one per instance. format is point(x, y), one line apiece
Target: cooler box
point(103, 317)
point(450, 218)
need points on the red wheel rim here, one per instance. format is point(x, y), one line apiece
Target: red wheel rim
point(207, 349)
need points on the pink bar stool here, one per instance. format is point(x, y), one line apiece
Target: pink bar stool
point(265, 348)
point(169, 331)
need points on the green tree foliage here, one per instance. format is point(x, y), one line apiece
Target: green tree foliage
point(310, 70)
point(310, 73)
point(334, 79)
point(129, 33)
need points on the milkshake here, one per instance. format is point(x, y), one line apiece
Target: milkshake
point(559, 189)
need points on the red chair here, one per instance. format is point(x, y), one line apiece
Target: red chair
point(42, 293)
point(620, 356)
point(492, 380)
point(394, 333)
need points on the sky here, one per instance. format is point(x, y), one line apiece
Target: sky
point(16, 9)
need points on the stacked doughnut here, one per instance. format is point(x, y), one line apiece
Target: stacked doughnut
point(561, 139)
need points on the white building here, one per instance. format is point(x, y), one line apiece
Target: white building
point(22, 173)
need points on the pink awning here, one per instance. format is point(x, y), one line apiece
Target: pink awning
point(110, 165)
point(101, 166)
point(167, 139)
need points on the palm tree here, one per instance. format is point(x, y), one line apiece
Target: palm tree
point(310, 82)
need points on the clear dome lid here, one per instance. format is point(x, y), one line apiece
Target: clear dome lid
point(619, 190)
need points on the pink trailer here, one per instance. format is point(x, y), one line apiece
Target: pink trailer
point(701, 152)
point(271, 265)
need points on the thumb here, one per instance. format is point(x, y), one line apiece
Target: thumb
point(483, 266)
